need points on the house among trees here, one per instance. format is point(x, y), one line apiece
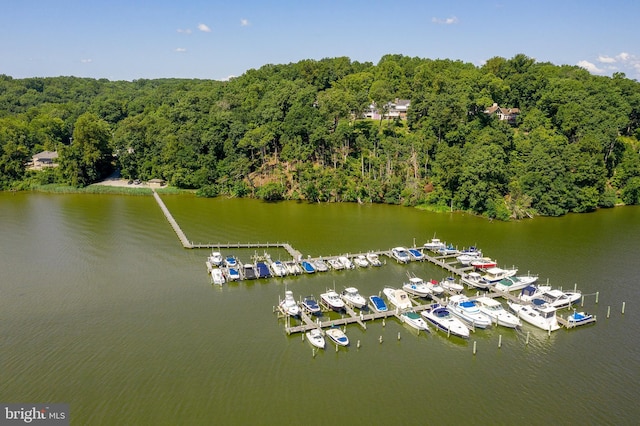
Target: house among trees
point(397, 109)
point(44, 159)
point(505, 114)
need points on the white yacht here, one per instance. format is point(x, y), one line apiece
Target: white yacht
point(417, 286)
point(373, 259)
point(542, 316)
point(397, 297)
point(351, 297)
point(361, 261)
point(315, 337)
point(474, 279)
point(288, 305)
point(444, 321)
point(348, 264)
point(400, 254)
point(467, 310)
point(414, 320)
point(494, 310)
point(332, 300)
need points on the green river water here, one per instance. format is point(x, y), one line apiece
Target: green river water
point(102, 308)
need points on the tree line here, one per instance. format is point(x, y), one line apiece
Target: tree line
point(298, 131)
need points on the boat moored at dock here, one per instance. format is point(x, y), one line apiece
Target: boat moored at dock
point(378, 304)
point(288, 305)
point(541, 316)
point(440, 316)
point(373, 259)
point(337, 336)
point(315, 337)
point(352, 297)
point(417, 286)
point(401, 254)
point(468, 311)
point(414, 320)
point(494, 310)
point(332, 300)
point(310, 305)
point(307, 267)
point(397, 297)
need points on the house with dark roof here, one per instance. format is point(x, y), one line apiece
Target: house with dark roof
point(505, 114)
point(44, 159)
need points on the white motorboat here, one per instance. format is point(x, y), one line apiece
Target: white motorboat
point(397, 297)
point(448, 250)
point(416, 254)
point(332, 300)
point(292, 267)
point(320, 265)
point(361, 261)
point(494, 275)
point(278, 268)
point(414, 320)
point(215, 258)
point(468, 311)
point(308, 267)
point(542, 316)
point(335, 264)
point(217, 277)
point(580, 318)
point(232, 274)
point(288, 305)
point(230, 261)
point(434, 245)
point(373, 259)
point(378, 304)
point(310, 304)
point(417, 286)
point(435, 288)
point(450, 284)
point(400, 254)
point(474, 279)
point(337, 336)
point(351, 297)
point(348, 264)
point(315, 337)
point(443, 320)
point(552, 297)
point(466, 258)
point(483, 263)
point(515, 283)
point(498, 314)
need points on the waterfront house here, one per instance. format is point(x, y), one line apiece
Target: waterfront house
point(505, 114)
point(44, 159)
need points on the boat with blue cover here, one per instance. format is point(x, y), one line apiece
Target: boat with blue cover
point(263, 270)
point(310, 305)
point(440, 316)
point(278, 268)
point(232, 274)
point(416, 254)
point(401, 254)
point(378, 304)
point(468, 311)
point(230, 261)
point(307, 267)
point(580, 318)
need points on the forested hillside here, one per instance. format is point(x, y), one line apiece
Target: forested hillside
point(297, 131)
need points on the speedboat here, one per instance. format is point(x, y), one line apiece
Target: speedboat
point(494, 275)
point(292, 267)
point(397, 297)
point(338, 336)
point(542, 316)
point(310, 305)
point(448, 250)
point(263, 270)
point(217, 277)
point(580, 318)
point(435, 288)
point(215, 258)
point(361, 261)
point(498, 314)
point(545, 294)
point(249, 271)
point(450, 284)
point(515, 283)
point(307, 267)
point(232, 274)
point(373, 259)
point(278, 268)
point(434, 245)
point(332, 300)
point(416, 254)
point(315, 337)
point(443, 320)
point(483, 263)
point(335, 264)
point(417, 286)
point(474, 279)
point(320, 265)
point(346, 262)
point(467, 310)
point(351, 297)
point(288, 305)
point(400, 254)
point(378, 303)
point(414, 320)
point(230, 262)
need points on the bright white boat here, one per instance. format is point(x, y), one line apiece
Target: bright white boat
point(335, 264)
point(498, 314)
point(474, 279)
point(434, 245)
point(397, 297)
point(378, 304)
point(346, 262)
point(542, 316)
point(217, 276)
point(351, 297)
point(373, 259)
point(320, 265)
point(435, 288)
point(468, 311)
point(232, 274)
point(414, 320)
point(416, 254)
point(515, 283)
point(494, 275)
point(216, 258)
point(230, 262)
point(417, 286)
point(580, 318)
point(332, 300)
point(292, 267)
point(444, 321)
point(450, 284)
point(552, 297)
point(361, 261)
point(448, 250)
point(338, 336)
point(466, 258)
point(400, 254)
point(278, 268)
point(288, 305)
point(310, 304)
point(316, 338)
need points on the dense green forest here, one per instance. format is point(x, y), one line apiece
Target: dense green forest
point(298, 131)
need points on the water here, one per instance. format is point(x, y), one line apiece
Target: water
point(100, 307)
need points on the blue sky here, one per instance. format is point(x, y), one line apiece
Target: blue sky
point(208, 39)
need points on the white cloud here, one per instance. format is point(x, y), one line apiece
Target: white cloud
point(185, 31)
point(446, 21)
point(606, 59)
point(204, 28)
point(624, 56)
point(86, 61)
point(244, 22)
point(180, 49)
point(592, 68)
